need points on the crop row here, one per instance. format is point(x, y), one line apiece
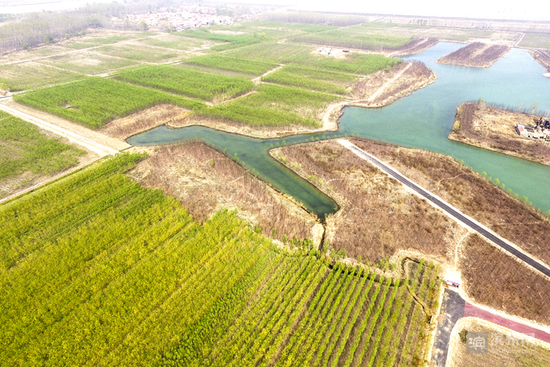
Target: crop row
point(99, 271)
point(95, 101)
point(241, 65)
point(286, 77)
point(23, 148)
point(187, 82)
point(116, 280)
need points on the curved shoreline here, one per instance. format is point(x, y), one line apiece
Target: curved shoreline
point(330, 119)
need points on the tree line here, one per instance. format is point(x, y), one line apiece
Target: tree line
point(35, 29)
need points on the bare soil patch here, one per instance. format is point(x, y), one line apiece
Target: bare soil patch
point(506, 348)
point(378, 217)
point(367, 92)
point(477, 55)
point(144, 120)
point(470, 192)
point(495, 129)
point(206, 181)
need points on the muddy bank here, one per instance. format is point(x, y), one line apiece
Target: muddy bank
point(414, 47)
point(382, 88)
point(543, 58)
point(495, 129)
point(476, 55)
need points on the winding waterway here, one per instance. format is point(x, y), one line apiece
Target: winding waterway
point(421, 120)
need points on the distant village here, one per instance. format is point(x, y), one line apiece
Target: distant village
point(540, 131)
point(188, 17)
point(185, 17)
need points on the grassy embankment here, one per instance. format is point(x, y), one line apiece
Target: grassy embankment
point(477, 55)
point(26, 153)
point(495, 129)
point(98, 270)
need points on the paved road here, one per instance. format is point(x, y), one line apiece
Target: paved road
point(453, 212)
point(452, 310)
point(473, 311)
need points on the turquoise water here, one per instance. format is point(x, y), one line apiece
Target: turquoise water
point(422, 120)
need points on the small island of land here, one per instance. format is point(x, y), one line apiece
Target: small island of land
point(496, 129)
point(476, 55)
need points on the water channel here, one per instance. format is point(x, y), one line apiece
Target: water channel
point(422, 120)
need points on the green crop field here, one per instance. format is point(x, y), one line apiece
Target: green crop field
point(230, 41)
point(187, 82)
point(536, 40)
point(174, 41)
point(241, 65)
point(289, 53)
point(353, 37)
point(23, 148)
point(96, 270)
point(96, 101)
point(139, 52)
point(317, 79)
point(273, 105)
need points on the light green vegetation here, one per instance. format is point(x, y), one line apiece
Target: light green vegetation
point(175, 41)
point(32, 75)
point(187, 82)
point(274, 52)
point(89, 63)
point(98, 41)
point(287, 53)
point(23, 148)
point(241, 65)
point(96, 270)
point(536, 40)
point(273, 105)
point(140, 53)
point(354, 37)
point(230, 41)
point(444, 33)
point(96, 101)
point(310, 78)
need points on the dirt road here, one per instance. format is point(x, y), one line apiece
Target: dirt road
point(75, 138)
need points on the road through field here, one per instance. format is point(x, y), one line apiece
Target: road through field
point(450, 210)
point(89, 144)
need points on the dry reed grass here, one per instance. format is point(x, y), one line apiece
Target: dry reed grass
point(206, 181)
point(377, 216)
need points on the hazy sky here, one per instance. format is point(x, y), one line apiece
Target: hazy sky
point(502, 9)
